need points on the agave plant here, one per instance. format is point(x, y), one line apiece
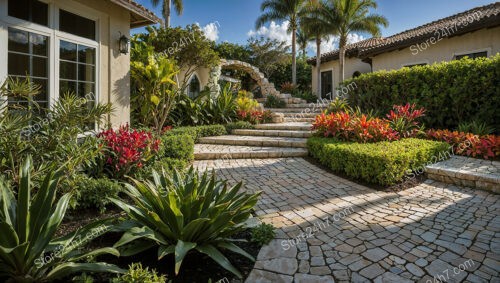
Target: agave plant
point(186, 212)
point(28, 250)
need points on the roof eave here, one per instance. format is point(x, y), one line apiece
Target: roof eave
point(140, 16)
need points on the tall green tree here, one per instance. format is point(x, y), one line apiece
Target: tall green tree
point(350, 16)
point(303, 38)
point(317, 27)
point(167, 8)
point(283, 10)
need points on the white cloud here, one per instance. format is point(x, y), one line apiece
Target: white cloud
point(211, 31)
point(274, 31)
point(333, 43)
point(280, 32)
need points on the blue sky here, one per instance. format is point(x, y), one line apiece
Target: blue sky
point(234, 19)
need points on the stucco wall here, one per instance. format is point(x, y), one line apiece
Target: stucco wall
point(443, 50)
point(351, 65)
point(202, 73)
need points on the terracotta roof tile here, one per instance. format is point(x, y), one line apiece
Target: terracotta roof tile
point(139, 15)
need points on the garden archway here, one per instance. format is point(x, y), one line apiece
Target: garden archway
point(254, 72)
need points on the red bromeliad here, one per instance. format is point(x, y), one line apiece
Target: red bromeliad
point(128, 150)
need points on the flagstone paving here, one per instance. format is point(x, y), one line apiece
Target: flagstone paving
point(332, 230)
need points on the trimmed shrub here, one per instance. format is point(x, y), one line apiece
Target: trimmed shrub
point(167, 164)
point(198, 132)
point(178, 146)
point(383, 163)
point(93, 193)
point(451, 92)
point(239, 125)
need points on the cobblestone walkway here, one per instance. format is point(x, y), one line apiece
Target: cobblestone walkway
point(333, 230)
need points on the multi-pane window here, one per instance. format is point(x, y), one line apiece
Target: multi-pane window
point(28, 57)
point(77, 68)
point(30, 10)
point(77, 25)
point(472, 55)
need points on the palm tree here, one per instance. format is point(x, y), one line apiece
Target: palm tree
point(352, 16)
point(303, 39)
point(312, 23)
point(167, 8)
point(282, 10)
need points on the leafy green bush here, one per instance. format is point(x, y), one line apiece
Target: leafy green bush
point(451, 92)
point(198, 132)
point(476, 128)
point(239, 125)
point(263, 234)
point(307, 95)
point(136, 273)
point(167, 164)
point(272, 101)
point(92, 193)
point(383, 163)
point(29, 252)
point(178, 146)
point(186, 212)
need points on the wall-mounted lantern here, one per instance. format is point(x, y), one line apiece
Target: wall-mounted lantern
point(124, 44)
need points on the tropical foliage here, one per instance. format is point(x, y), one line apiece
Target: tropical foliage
point(473, 95)
point(29, 251)
point(186, 212)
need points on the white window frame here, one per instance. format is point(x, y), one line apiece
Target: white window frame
point(55, 36)
point(487, 50)
point(415, 63)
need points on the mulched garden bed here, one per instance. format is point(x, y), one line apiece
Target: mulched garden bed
point(196, 267)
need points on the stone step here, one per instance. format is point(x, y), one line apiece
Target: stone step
point(296, 110)
point(292, 126)
point(225, 152)
point(256, 141)
point(299, 119)
point(274, 133)
point(300, 115)
point(467, 172)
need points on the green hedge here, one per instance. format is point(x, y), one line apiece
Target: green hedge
point(238, 125)
point(91, 194)
point(383, 163)
point(198, 132)
point(178, 146)
point(452, 92)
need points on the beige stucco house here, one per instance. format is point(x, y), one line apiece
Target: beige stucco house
point(474, 33)
point(72, 45)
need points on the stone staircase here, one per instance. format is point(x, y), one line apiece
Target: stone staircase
point(286, 139)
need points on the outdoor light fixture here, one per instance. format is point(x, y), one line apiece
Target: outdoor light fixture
point(124, 43)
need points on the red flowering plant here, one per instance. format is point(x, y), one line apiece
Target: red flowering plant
point(403, 119)
point(468, 144)
point(350, 127)
point(127, 150)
